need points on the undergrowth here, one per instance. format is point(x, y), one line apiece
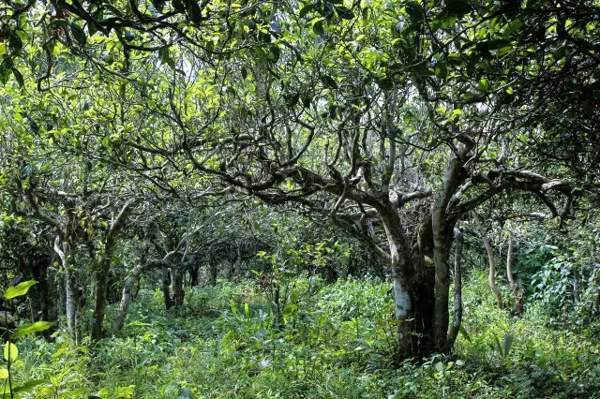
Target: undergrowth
point(336, 341)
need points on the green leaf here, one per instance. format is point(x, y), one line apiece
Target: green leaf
point(489, 45)
point(18, 77)
point(274, 54)
point(129, 36)
point(507, 344)
point(19, 289)
point(344, 12)
point(441, 70)
point(484, 84)
point(318, 28)
point(306, 9)
point(464, 333)
point(415, 12)
point(5, 69)
point(329, 81)
point(165, 57)
point(32, 328)
point(439, 367)
point(14, 42)
point(456, 113)
point(78, 33)
point(11, 352)
point(3, 374)
point(125, 392)
point(28, 385)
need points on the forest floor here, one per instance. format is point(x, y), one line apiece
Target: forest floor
point(334, 341)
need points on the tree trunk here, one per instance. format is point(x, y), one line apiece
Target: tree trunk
point(515, 289)
point(442, 241)
point(166, 284)
point(492, 271)
point(442, 225)
point(409, 342)
point(194, 274)
point(126, 296)
point(212, 273)
point(63, 252)
point(70, 303)
point(237, 264)
point(177, 286)
point(458, 309)
point(101, 277)
point(103, 270)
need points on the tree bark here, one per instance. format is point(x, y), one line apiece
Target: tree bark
point(102, 273)
point(515, 290)
point(443, 223)
point(212, 273)
point(492, 271)
point(424, 320)
point(63, 253)
point(458, 308)
point(101, 277)
point(166, 287)
point(70, 303)
point(126, 296)
point(194, 271)
point(409, 339)
point(177, 286)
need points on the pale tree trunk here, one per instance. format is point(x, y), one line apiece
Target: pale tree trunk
point(70, 303)
point(403, 311)
point(515, 289)
point(63, 252)
point(458, 308)
point(401, 275)
point(126, 295)
point(492, 271)
point(421, 292)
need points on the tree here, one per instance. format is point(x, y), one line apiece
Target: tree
point(394, 121)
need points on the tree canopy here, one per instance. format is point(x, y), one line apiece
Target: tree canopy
point(147, 138)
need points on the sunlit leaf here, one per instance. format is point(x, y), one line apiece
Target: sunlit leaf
point(32, 328)
point(11, 352)
point(19, 289)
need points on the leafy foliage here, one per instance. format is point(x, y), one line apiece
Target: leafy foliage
point(336, 345)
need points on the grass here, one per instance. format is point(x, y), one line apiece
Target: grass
point(336, 343)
